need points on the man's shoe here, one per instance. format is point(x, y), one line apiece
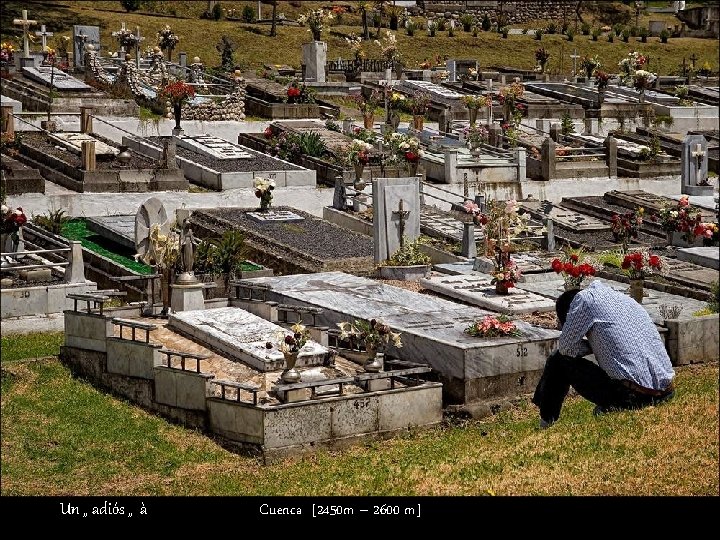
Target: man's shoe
point(544, 424)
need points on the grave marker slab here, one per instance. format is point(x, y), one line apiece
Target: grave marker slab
point(213, 147)
point(565, 217)
point(60, 79)
point(433, 89)
point(84, 35)
point(275, 216)
point(527, 262)
point(477, 290)
point(74, 141)
point(242, 336)
point(388, 228)
point(703, 256)
point(119, 229)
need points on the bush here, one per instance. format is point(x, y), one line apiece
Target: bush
point(644, 33)
point(217, 12)
point(570, 35)
point(130, 5)
point(618, 28)
point(596, 34)
point(504, 31)
point(626, 35)
point(585, 28)
point(311, 144)
point(441, 24)
point(248, 14)
point(410, 28)
point(551, 28)
point(611, 37)
point(408, 255)
point(664, 35)
point(538, 34)
point(564, 28)
point(485, 23)
point(567, 125)
point(467, 21)
point(53, 221)
point(221, 256)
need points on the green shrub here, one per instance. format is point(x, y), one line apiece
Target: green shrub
point(567, 125)
point(486, 24)
point(217, 12)
point(311, 144)
point(221, 255)
point(467, 21)
point(53, 221)
point(585, 29)
point(551, 28)
point(410, 28)
point(408, 255)
point(664, 35)
point(441, 24)
point(644, 33)
point(248, 14)
point(538, 34)
point(596, 34)
point(626, 35)
point(570, 35)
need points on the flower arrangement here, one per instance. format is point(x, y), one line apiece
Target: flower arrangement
point(12, 220)
point(626, 226)
point(589, 64)
point(478, 217)
point(263, 191)
point(293, 343)
point(629, 65)
point(506, 273)
point(475, 136)
point(373, 334)
point(682, 217)
point(388, 47)
point(541, 57)
point(167, 39)
point(7, 51)
point(409, 148)
point(299, 93)
point(511, 93)
point(358, 153)
point(126, 38)
point(315, 20)
point(177, 93)
point(409, 254)
point(572, 268)
point(367, 105)
point(476, 102)
point(355, 43)
point(492, 326)
point(397, 100)
point(49, 54)
point(643, 79)
point(163, 250)
point(601, 79)
point(640, 264)
point(419, 103)
point(472, 74)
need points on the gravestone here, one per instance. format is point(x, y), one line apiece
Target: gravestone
point(314, 59)
point(396, 214)
point(48, 75)
point(694, 160)
point(74, 142)
point(82, 36)
point(433, 89)
point(151, 212)
point(213, 147)
point(458, 68)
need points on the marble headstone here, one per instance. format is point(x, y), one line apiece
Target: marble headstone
point(388, 225)
point(151, 212)
point(315, 58)
point(92, 37)
point(695, 166)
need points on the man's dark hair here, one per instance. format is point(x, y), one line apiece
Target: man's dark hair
point(562, 305)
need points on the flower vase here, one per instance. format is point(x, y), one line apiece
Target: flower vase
point(359, 167)
point(394, 120)
point(571, 286)
point(368, 121)
point(418, 121)
point(316, 35)
point(501, 288)
point(636, 290)
point(372, 364)
point(412, 168)
point(473, 116)
point(177, 112)
point(290, 374)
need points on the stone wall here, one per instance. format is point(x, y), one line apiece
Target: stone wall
point(514, 11)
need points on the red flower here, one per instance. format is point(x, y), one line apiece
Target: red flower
point(574, 258)
point(268, 132)
point(655, 261)
point(293, 91)
point(626, 263)
point(567, 267)
point(556, 265)
point(683, 201)
point(412, 157)
point(575, 271)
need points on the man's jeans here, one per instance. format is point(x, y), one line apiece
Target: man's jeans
point(590, 381)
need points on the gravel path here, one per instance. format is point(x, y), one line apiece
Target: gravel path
point(259, 162)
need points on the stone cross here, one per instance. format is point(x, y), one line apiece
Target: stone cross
point(25, 23)
point(43, 35)
point(402, 217)
point(693, 58)
point(574, 56)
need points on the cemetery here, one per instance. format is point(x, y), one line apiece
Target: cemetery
point(297, 256)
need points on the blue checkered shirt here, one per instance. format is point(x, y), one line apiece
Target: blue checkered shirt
point(620, 333)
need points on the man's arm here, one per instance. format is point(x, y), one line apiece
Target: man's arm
point(579, 321)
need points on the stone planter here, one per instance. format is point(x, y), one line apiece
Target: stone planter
point(404, 273)
point(675, 238)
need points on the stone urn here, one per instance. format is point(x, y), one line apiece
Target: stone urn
point(372, 364)
point(290, 374)
point(359, 168)
point(412, 168)
point(473, 116)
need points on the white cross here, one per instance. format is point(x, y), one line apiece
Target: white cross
point(43, 35)
point(574, 56)
point(25, 23)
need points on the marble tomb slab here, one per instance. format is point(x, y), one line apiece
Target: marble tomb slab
point(477, 290)
point(242, 336)
point(213, 147)
point(73, 142)
point(703, 256)
point(60, 79)
point(119, 229)
point(432, 332)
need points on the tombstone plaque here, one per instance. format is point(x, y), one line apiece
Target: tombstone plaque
point(695, 166)
point(393, 220)
point(314, 59)
point(151, 212)
point(82, 36)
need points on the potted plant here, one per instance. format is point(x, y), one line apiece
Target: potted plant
point(574, 267)
point(626, 226)
point(491, 326)
point(642, 80)
point(373, 335)
point(638, 266)
point(290, 346)
point(418, 106)
point(506, 272)
point(474, 103)
point(396, 101)
point(409, 150)
point(315, 20)
point(601, 80)
point(408, 263)
point(589, 64)
point(542, 57)
point(358, 155)
point(177, 93)
point(475, 137)
point(389, 52)
point(263, 190)
point(12, 221)
point(683, 224)
point(367, 106)
point(167, 40)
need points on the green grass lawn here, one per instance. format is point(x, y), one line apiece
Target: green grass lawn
point(36, 345)
point(61, 436)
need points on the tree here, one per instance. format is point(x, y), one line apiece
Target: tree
point(226, 48)
point(273, 28)
point(130, 5)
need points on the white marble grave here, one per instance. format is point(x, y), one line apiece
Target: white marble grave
point(73, 142)
point(477, 290)
point(242, 336)
point(432, 88)
point(274, 216)
point(59, 79)
point(704, 256)
point(213, 147)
